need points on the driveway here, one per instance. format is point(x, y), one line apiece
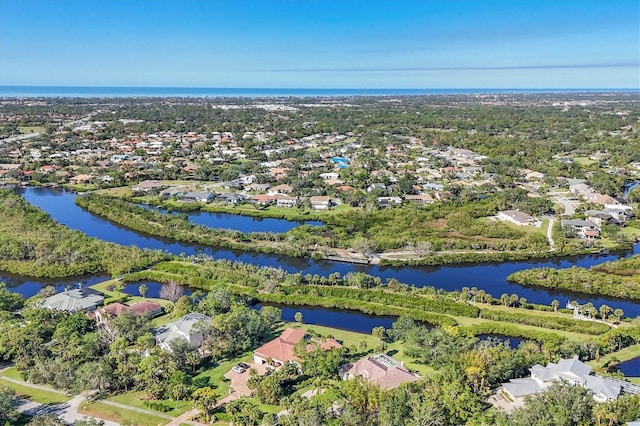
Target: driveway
point(239, 381)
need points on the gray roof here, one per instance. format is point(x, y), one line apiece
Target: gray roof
point(74, 300)
point(578, 222)
point(182, 328)
point(604, 386)
point(571, 370)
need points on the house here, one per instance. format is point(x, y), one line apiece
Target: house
point(381, 370)
point(281, 349)
point(329, 176)
point(230, 198)
point(258, 187)
point(620, 212)
point(187, 328)
point(572, 371)
point(389, 201)
point(279, 172)
point(148, 186)
point(198, 196)
point(419, 198)
point(76, 300)
point(171, 192)
point(519, 218)
point(114, 310)
point(280, 189)
point(600, 217)
point(320, 202)
point(81, 178)
point(285, 200)
point(584, 228)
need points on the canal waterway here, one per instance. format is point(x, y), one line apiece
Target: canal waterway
point(491, 277)
point(239, 223)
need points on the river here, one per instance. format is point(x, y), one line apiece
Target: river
point(491, 277)
point(239, 223)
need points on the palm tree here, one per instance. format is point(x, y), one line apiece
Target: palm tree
point(618, 313)
point(143, 289)
point(554, 305)
point(504, 299)
point(605, 310)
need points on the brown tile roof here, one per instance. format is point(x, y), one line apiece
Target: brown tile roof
point(384, 374)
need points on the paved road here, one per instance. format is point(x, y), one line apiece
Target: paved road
point(67, 411)
point(569, 205)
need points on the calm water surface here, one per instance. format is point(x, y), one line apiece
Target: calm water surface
point(489, 277)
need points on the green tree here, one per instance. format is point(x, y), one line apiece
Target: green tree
point(205, 399)
point(561, 404)
point(297, 317)
point(8, 413)
point(243, 412)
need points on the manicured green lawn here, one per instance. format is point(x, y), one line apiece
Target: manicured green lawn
point(119, 415)
point(215, 372)
point(136, 399)
point(625, 354)
point(35, 395)
point(12, 373)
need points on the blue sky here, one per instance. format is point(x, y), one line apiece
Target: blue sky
point(321, 43)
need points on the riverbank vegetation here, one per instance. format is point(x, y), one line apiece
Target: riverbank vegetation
point(447, 233)
point(364, 293)
point(33, 244)
point(619, 278)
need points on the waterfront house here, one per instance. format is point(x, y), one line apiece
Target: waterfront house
point(75, 300)
point(583, 228)
point(198, 197)
point(281, 349)
point(320, 202)
point(171, 192)
point(188, 328)
point(572, 371)
point(381, 370)
point(230, 198)
point(148, 186)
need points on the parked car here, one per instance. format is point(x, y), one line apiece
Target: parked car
point(244, 365)
point(240, 368)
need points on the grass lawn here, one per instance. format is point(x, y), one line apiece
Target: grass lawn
point(214, 373)
point(625, 354)
point(30, 129)
point(12, 373)
point(584, 161)
point(119, 415)
point(35, 395)
point(135, 399)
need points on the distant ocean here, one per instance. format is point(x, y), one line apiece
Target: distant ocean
point(111, 92)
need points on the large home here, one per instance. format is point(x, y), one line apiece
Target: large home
point(230, 198)
point(419, 198)
point(583, 228)
point(147, 186)
point(389, 201)
point(285, 200)
point(518, 218)
point(281, 349)
point(572, 371)
point(280, 189)
point(172, 192)
point(320, 202)
point(76, 300)
point(381, 370)
point(187, 328)
point(114, 310)
point(198, 197)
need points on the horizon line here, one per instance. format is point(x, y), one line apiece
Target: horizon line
point(316, 88)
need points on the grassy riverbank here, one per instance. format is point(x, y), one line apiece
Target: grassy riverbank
point(438, 308)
